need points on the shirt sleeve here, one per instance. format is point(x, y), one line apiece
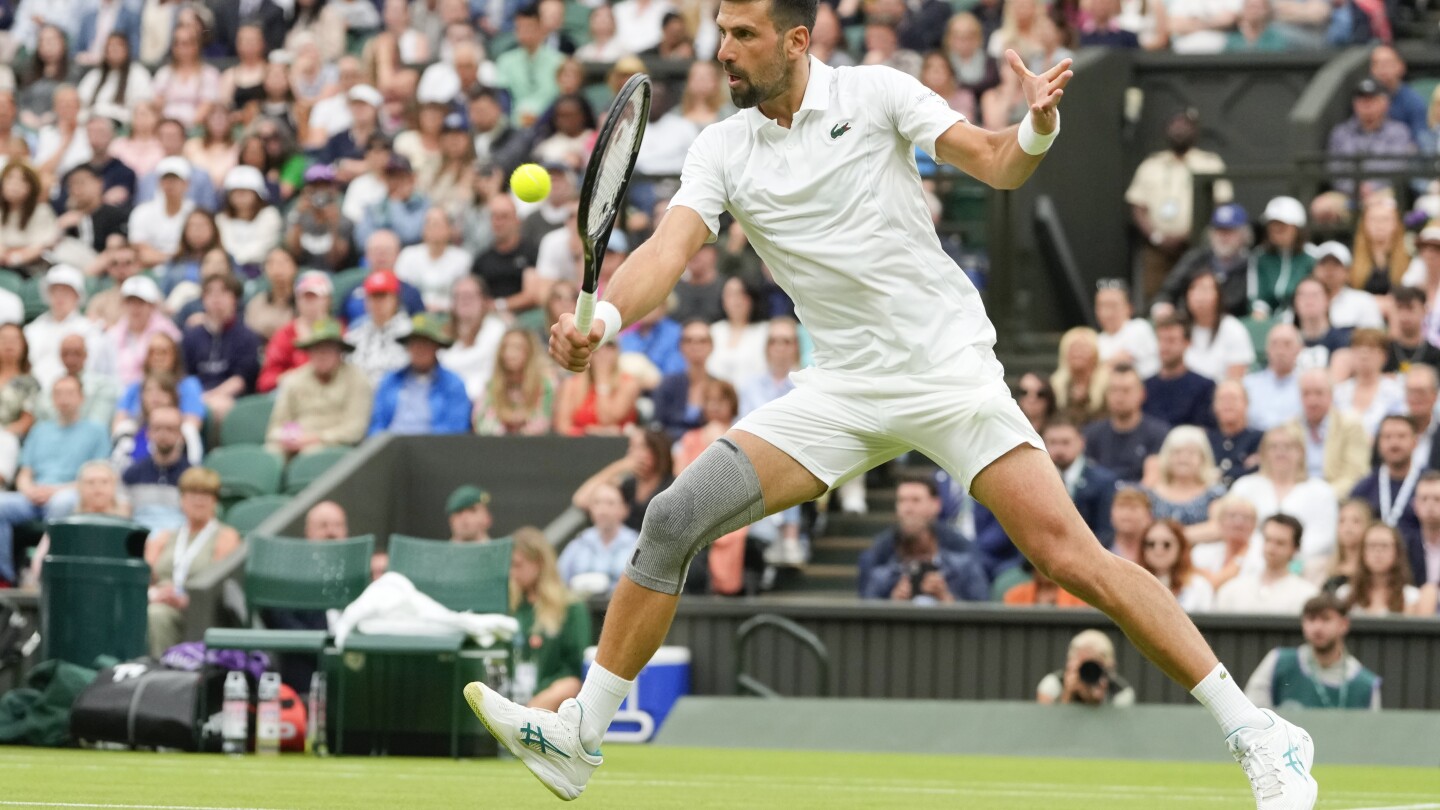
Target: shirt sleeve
point(918, 113)
point(702, 180)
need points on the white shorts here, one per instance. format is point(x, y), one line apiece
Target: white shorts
point(837, 435)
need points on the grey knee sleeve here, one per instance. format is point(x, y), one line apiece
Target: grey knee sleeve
point(717, 494)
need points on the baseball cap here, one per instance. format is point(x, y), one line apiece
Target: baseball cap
point(1333, 250)
point(398, 164)
point(178, 166)
point(1429, 235)
point(454, 122)
point(1285, 209)
point(245, 178)
point(315, 282)
point(320, 173)
point(365, 94)
point(465, 497)
point(382, 281)
point(619, 242)
point(64, 274)
point(1230, 215)
point(1368, 87)
point(142, 287)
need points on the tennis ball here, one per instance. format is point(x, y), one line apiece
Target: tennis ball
point(530, 183)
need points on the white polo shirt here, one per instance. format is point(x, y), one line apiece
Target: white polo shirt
point(835, 208)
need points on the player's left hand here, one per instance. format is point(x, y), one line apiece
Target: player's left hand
point(1042, 92)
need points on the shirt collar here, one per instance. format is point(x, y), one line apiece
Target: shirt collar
point(817, 95)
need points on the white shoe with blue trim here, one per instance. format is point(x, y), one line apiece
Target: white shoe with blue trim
point(547, 742)
point(1277, 760)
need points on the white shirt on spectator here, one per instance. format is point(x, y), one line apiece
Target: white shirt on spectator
point(1212, 354)
point(1211, 557)
point(433, 277)
point(49, 141)
point(1206, 40)
point(1410, 595)
point(1198, 596)
point(1251, 594)
point(1273, 400)
point(150, 225)
point(137, 90)
point(1389, 399)
point(554, 260)
point(638, 22)
point(1137, 339)
point(1312, 502)
point(44, 334)
point(12, 309)
point(363, 192)
point(1355, 309)
point(666, 141)
point(596, 52)
point(737, 364)
point(332, 115)
point(475, 363)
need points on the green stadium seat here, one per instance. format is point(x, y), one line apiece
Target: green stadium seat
point(306, 467)
point(245, 471)
point(11, 281)
point(246, 515)
point(1007, 580)
point(248, 420)
point(345, 283)
point(33, 297)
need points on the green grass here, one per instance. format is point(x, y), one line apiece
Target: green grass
point(636, 777)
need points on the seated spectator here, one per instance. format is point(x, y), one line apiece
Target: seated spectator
point(101, 392)
point(435, 263)
point(1161, 195)
point(1343, 566)
point(152, 484)
point(599, 401)
point(1274, 589)
point(1381, 257)
point(1036, 399)
point(324, 403)
point(423, 397)
point(508, 267)
point(1337, 449)
point(1225, 257)
point(249, 227)
point(477, 330)
point(49, 465)
point(468, 510)
point(602, 550)
point(1423, 545)
point(313, 295)
point(1091, 486)
point(1350, 308)
point(1274, 391)
point(88, 221)
point(1233, 441)
point(739, 340)
point(64, 290)
point(646, 470)
point(679, 398)
point(1390, 489)
point(162, 358)
point(1254, 30)
point(1282, 486)
point(27, 222)
point(1281, 261)
point(1089, 676)
point(698, 293)
point(1383, 584)
point(381, 251)
point(1370, 394)
point(1124, 338)
point(1166, 554)
point(1186, 482)
point(1130, 514)
point(1422, 391)
point(556, 625)
point(1388, 70)
point(19, 398)
point(1225, 559)
point(175, 556)
point(1128, 436)
point(1220, 347)
point(1367, 137)
point(99, 494)
point(1326, 347)
point(658, 339)
point(170, 138)
point(1040, 591)
point(156, 225)
point(920, 571)
point(520, 397)
point(401, 210)
point(376, 337)
point(118, 264)
point(316, 232)
point(917, 513)
point(1319, 674)
point(1408, 345)
point(198, 256)
point(1102, 29)
point(1080, 380)
point(964, 44)
point(220, 350)
point(1176, 395)
point(274, 304)
point(130, 337)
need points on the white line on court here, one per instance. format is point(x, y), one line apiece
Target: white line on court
point(125, 806)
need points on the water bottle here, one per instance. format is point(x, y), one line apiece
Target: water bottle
point(497, 677)
point(523, 680)
point(235, 713)
point(315, 730)
point(267, 714)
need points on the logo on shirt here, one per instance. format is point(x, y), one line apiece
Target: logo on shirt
point(839, 129)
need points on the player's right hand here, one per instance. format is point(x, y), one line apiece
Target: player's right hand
point(571, 349)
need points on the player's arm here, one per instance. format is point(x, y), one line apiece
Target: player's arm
point(999, 159)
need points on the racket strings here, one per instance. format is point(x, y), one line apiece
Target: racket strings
point(614, 167)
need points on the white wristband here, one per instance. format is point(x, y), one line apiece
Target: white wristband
point(1033, 143)
point(606, 313)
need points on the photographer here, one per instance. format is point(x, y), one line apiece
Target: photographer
point(1089, 676)
point(921, 571)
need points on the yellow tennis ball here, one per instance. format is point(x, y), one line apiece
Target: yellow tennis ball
point(530, 183)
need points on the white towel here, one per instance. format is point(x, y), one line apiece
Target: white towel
point(393, 606)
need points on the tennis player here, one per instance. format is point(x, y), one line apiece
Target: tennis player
point(818, 167)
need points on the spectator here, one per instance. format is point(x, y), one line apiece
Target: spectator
point(183, 273)
point(1370, 395)
point(130, 338)
point(556, 625)
point(249, 227)
point(1176, 395)
point(186, 86)
point(699, 292)
point(152, 483)
point(508, 267)
point(1166, 554)
point(1274, 391)
point(401, 210)
point(62, 145)
point(1408, 345)
point(381, 251)
point(101, 392)
point(599, 401)
point(317, 234)
point(739, 340)
point(1336, 446)
point(477, 330)
point(601, 551)
point(27, 223)
point(98, 488)
point(1037, 400)
point(223, 353)
point(64, 290)
point(937, 74)
point(1226, 257)
point(19, 399)
point(1282, 487)
point(1040, 590)
point(175, 556)
point(603, 46)
point(88, 221)
point(1080, 380)
point(657, 337)
point(638, 23)
point(324, 403)
point(1388, 70)
point(1091, 486)
point(1220, 347)
point(1161, 197)
point(156, 226)
point(434, 265)
point(376, 337)
point(1363, 141)
point(1303, 23)
point(919, 570)
point(313, 292)
point(1383, 584)
point(272, 306)
point(782, 356)
point(119, 265)
point(48, 70)
point(678, 399)
point(1225, 559)
point(1280, 263)
point(163, 357)
point(917, 509)
point(1130, 514)
point(140, 147)
point(1102, 29)
point(1381, 257)
point(1255, 31)
point(468, 510)
point(1089, 676)
point(1274, 589)
point(1234, 443)
point(1422, 387)
point(1319, 674)
point(1423, 545)
point(496, 141)
point(519, 398)
point(199, 189)
point(422, 397)
point(1122, 337)
point(49, 464)
point(643, 472)
point(1325, 345)
point(1128, 436)
point(528, 71)
point(213, 150)
point(1342, 567)
point(1186, 482)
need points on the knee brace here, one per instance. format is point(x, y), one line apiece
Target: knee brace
point(717, 494)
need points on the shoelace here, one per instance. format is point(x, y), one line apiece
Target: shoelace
point(1262, 770)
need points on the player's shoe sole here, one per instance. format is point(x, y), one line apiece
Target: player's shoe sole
point(547, 742)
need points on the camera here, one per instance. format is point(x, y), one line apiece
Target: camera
point(322, 199)
point(917, 571)
point(1091, 672)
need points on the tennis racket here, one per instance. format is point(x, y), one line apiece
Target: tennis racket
point(606, 179)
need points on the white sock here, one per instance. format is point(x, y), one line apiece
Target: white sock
point(1222, 696)
point(600, 696)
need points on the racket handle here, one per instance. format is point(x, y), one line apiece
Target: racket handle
point(584, 312)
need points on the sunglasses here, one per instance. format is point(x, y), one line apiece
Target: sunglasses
point(1162, 544)
point(1029, 392)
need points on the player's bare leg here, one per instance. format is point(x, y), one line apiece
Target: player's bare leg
point(1027, 496)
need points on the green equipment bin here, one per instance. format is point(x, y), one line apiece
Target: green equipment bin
point(92, 606)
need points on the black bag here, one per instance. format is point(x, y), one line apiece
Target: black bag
point(140, 703)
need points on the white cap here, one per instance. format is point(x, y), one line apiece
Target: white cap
point(245, 178)
point(1333, 250)
point(178, 166)
point(1285, 209)
point(366, 94)
point(142, 287)
point(64, 274)
point(438, 85)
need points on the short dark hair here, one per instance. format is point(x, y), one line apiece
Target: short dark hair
point(922, 480)
point(530, 11)
point(1427, 477)
point(1060, 420)
point(787, 14)
point(231, 284)
point(1324, 603)
point(1172, 322)
point(83, 168)
point(1397, 417)
point(1405, 296)
point(1296, 529)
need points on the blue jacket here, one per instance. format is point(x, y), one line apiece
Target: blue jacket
point(661, 345)
point(964, 576)
point(449, 405)
point(1093, 495)
point(127, 22)
point(882, 550)
point(672, 406)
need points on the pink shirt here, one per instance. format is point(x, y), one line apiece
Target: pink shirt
point(130, 348)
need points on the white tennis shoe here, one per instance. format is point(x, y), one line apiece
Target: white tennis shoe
point(1277, 760)
point(547, 742)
